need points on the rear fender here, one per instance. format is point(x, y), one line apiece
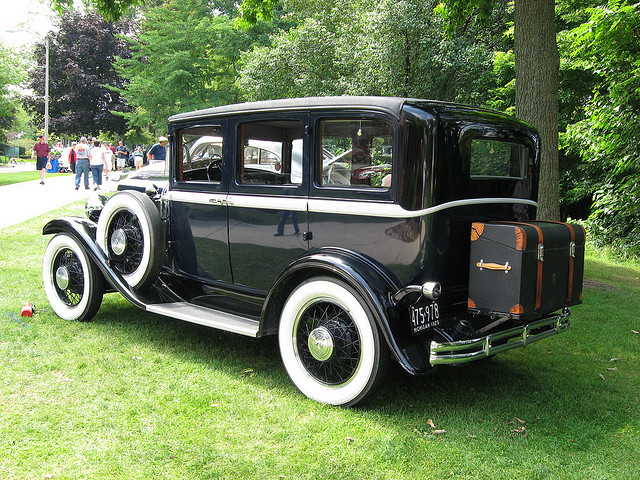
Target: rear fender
point(84, 231)
point(372, 281)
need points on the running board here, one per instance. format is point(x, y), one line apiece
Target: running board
point(207, 317)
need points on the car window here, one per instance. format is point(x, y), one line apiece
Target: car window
point(271, 153)
point(200, 154)
point(497, 159)
point(356, 152)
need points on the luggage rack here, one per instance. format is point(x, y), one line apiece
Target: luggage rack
point(463, 351)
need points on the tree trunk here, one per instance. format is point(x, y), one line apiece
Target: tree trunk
point(537, 67)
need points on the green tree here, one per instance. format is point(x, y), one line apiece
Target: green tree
point(12, 72)
point(366, 47)
point(607, 46)
point(82, 77)
point(112, 10)
point(184, 58)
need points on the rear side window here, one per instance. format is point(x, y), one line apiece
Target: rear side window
point(498, 159)
point(355, 152)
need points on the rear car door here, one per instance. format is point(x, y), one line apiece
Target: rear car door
point(267, 198)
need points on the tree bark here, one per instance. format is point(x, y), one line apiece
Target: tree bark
point(537, 71)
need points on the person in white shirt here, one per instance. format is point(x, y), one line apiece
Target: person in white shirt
point(96, 159)
point(138, 157)
point(108, 159)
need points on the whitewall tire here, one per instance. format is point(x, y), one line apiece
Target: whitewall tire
point(130, 233)
point(330, 344)
point(72, 282)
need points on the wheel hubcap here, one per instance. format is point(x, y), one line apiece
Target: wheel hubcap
point(321, 344)
point(126, 242)
point(62, 278)
point(68, 277)
point(119, 241)
point(327, 343)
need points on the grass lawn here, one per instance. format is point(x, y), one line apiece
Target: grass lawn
point(7, 177)
point(133, 395)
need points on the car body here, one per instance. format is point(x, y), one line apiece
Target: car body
point(350, 241)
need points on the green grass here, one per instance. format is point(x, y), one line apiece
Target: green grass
point(133, 395)
point(8, 178)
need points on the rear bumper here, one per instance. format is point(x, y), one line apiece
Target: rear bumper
point(464, 351)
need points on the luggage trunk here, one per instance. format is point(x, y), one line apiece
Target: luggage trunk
point(525, 270)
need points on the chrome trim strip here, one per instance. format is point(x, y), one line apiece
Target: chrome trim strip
point(295, 204)
point(392, 210)
point(463, 351)
point(339, 207)
point(196, 197)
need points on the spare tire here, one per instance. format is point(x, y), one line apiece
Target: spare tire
point(130, 234)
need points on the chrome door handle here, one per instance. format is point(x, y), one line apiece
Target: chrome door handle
point(220, 201)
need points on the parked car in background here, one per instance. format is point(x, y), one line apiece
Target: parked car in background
point(359, 230)
point(151, 177)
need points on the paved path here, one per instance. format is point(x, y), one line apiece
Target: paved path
point(25, 200)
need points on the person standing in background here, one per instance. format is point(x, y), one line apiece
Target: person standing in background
point(158, 152)
point(82, 162)
point(96, 160)
point(121, 155)
point(73, 157)
point(108, 159)
point(42, 152)
point(138, 157)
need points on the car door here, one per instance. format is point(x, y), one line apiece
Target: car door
point(267, 198)
point(198, 211)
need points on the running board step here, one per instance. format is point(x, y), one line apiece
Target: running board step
point(207, 317)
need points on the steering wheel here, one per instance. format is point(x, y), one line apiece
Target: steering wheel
point(214, 169)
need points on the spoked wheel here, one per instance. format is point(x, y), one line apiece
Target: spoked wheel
point(329, 343)
point(72, 282)
point(129, 232)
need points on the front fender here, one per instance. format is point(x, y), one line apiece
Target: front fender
point(84, 231)
point(371, 280)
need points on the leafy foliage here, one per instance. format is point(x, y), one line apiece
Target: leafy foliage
point(366, 47)
point(608, 138)
point(11, 72)
point(112, 10)
point(82, 77)
point(184, 58)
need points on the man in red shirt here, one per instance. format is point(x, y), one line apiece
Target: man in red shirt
point(42, 152)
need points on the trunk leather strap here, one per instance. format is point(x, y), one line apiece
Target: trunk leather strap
point(538, 301)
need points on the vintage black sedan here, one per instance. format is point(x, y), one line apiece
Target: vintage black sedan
point(359, 230)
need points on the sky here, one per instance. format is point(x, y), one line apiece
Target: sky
point(30, 15)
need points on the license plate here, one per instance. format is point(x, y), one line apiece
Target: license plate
point(424, 317)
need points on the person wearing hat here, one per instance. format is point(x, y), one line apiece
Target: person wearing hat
point(42, 153)
point(158, 152)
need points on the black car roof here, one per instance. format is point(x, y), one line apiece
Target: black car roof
point(392, 105)
point(389, 104)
